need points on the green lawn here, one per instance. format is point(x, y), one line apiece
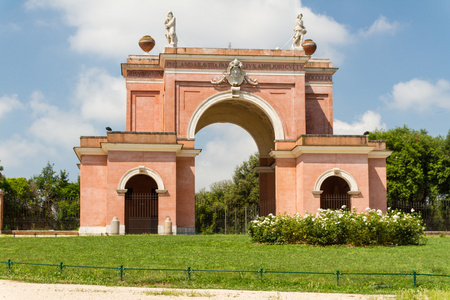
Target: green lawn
point(225, 252)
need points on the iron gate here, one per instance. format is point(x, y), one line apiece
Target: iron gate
point(141, 213)
point(334, 201)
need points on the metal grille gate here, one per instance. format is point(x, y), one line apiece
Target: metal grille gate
point(334, 201)
point(141, 213)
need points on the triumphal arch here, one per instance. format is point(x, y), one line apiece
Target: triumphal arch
point(145, 175)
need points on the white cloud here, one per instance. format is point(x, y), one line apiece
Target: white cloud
point(112, 28)
point(381, 26)
point(367, 122)
point(54, 126)
point(229, 146)
point(8, 103)
point(15, 150)
point(419, 95)
point(101, 97)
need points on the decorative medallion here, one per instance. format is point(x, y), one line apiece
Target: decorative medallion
point(235, 75)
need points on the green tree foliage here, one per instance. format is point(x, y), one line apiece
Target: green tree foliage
point(245, 188)
point(50, 186)
point(17, 188)
point(419, 168)
point(47, 192)
point(206, 205)
point(241, 191)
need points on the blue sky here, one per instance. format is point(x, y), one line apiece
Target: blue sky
point(60, 73)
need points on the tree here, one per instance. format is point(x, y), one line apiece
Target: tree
point(418, 170)
point(18, 188)
point(245, 188)
point(206, 205)
point(230, 195)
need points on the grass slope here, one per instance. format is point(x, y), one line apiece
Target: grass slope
point(230, 252)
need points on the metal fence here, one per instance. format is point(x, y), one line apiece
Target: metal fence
point(189, 271)
point(63, 214)
point(436, 216)
point(235, 219)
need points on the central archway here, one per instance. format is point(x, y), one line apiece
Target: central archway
point(259, 119)
point(251, 112)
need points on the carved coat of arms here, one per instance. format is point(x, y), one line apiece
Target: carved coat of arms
point(235, 75)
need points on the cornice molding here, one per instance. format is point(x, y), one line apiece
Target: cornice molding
point(105, 147)
point(189, 152)
point(299, 150)
point(380, 154)
point(80, 151)
point(264, 169)
point(141, 147)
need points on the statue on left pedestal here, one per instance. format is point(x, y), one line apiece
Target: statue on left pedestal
point(299, 33)
point(171, 35)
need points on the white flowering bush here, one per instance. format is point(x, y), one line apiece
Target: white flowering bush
point(340, 227)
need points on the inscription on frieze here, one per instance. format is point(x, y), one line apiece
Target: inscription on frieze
point(220, 65)
point(319, 77)
point(144, 74)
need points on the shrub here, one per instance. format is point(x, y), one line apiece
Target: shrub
point(340, 227)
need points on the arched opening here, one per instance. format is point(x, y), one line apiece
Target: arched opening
point(141, 205)
point(257, 124)
point(335, 193)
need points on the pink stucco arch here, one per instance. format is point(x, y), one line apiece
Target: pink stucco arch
point(353, 185)
point(243, 96)
point(141, 170)
point(289, 114)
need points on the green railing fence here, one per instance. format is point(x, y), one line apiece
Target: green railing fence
point(121, 269)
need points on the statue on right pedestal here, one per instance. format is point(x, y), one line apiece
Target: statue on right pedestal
point(299, 33)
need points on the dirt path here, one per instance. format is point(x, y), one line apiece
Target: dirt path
point(21, 291)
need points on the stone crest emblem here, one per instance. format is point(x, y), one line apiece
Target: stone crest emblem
point(235, 75)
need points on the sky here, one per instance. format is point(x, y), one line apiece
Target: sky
point(60, 68)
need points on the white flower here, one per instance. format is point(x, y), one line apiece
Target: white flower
point(344, 207)
point(412, 210)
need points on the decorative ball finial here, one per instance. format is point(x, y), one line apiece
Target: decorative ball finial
point(147, 43)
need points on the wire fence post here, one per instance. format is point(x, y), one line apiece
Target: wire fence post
point(245, 220)
point(414, 276)
point(235, 221)
point(189, 273)
point(225, 220)
point(337, 277)
point(61, 267)
point(121, 272)
point(261, 273)
point(9, 265)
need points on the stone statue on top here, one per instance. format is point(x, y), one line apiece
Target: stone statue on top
point(299, 33)
point(171, 34)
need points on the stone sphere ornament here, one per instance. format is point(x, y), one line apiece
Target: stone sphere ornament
point(309, 46)
point(147, 43)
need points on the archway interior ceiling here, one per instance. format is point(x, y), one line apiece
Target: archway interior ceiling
point(246, 115)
